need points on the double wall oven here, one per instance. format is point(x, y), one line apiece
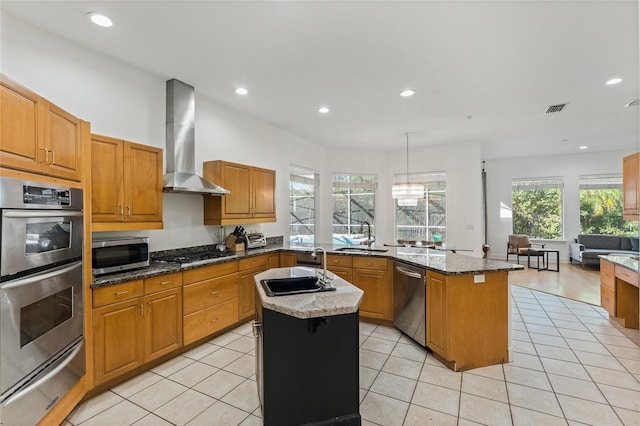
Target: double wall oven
point(42, 353)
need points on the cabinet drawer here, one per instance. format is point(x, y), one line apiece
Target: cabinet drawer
point(627, 275)
point(162, 282)
point(207, 321)
point(253, 262)
point(343, 261)
point(607, 274)
point(370, 263)
point(608, 300)
point(117, 293)
point(207, 272)
point(208, 293)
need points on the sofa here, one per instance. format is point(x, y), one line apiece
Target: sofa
point(587, 247)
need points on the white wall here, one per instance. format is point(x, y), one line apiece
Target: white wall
point(569, 167)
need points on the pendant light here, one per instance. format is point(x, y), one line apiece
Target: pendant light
point(407, 193)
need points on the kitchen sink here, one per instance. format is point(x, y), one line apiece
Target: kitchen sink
point(293, 285)
point(361, 250)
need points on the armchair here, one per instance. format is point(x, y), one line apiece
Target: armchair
point(519, 245)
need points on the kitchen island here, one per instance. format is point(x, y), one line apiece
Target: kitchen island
point(307, 361)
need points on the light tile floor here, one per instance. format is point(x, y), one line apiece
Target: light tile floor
point(571, 366)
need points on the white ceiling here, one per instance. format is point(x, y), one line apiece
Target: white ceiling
point(483, 71)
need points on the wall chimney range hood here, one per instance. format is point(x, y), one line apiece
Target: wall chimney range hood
point(180, 150)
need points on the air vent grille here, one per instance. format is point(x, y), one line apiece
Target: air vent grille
point(634, 102)
point(555, 108)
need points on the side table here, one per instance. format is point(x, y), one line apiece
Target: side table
point(545, 259)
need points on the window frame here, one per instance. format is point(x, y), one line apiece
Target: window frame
point(352, 225)
point(304, 176)
point(539, 183)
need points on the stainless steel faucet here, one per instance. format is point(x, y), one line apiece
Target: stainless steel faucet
point(369, 241)
point(324, 279)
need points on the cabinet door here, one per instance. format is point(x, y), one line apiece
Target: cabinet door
point(19, 134)
point(374, 302)
point(142, 183)
point(288, 260)
point(237, 179)
point(118, 339)
point(344, 273)
point(273, 261)
point(264, 187)
point(247, 293)
point(437, 314)
point(107, 204)
point(63, 139)
point(163, 323)
point(630, 184)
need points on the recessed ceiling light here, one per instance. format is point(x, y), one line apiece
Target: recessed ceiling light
point(408, 92)
point(323, 110)
point(613, 81)
point(100, 19)
point(583, 147)
point(242, 91)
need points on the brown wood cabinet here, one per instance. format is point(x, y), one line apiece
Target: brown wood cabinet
point(288, 260)
point(372, 276)
point(619, 294)
point(631, 186)
point(252, 197)
point(249, 268)
point(341, 266)
point(273, 260)
point(210, 300)
point(126, 185)
point(135, 322)
point(467, 322)
point(38, 136)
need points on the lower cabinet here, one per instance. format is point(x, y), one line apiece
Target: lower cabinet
point(249, 268)
point(273, 260)
point(288, 260)
point(372, 276)
point(340, 266)
point(437, 317)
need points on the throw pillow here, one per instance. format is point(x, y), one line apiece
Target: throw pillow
point(634, 243)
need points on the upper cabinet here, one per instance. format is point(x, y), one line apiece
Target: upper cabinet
point(631, 186)
point(126, 185)
point(38, 136)
point(252, 197)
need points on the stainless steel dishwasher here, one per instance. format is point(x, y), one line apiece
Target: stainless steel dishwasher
point(409, 298)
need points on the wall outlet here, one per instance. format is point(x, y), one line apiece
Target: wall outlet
point(477, 279)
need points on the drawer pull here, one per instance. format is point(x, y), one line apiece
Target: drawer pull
point(165, 282)
point(141, 309)
point(215, 319)
point(213, 293)
point(121, 293)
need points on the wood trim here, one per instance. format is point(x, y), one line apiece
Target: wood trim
point(126, 226)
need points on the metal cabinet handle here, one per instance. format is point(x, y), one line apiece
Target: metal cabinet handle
point(53, 158)
point(46, 154)
point(215, 319)
point(213, 293)
point(128, 210)
point(121, 209)
point(120, 293)
point(165, 282)
point(141, 309)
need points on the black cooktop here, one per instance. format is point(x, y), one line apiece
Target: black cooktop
point(193, 258)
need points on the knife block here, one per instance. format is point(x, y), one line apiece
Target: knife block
point(231, 244)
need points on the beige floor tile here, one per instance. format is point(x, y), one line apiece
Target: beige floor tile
point(555, 352)
point(224, 339)
point(623, 398)
point(560, 310)
point(533, 399)
point(540, 320)
point(201, 351)
point(577, 388)
point(563, 317)
point(252, 421)
point(244, 366)
point(410, 351)
point(584, 346)
point(94, 406)
point(219, 414)
point(545, 339)
point(192, 374)
point(387, 333)
point(533, 313)
point(123, 413)
point(526, 377)
point(588, 412)
point(245, 329)
point(628, 417)
point(362, 395)
point(614, 378)
point(597, 360)
point(529, 361)
point(436, 398)
point(361, 339)
point(136, 384)
point(608, 330)
point(520, 335)
point(244, 397)
point(157, 394)
point(622, 352)
point(484, 387)
point(484, 411)
point(523, 417)
point(403, 367)
point(366, 328)
point(631, 365)
point(607, 340)
point(441, 376)
point(568, 325)
point(378, 345)
point(257, 412)
point(523, 347)
point(383, 410)
point(371, 359)
point(367, 376)
point(543, 329)
point(491, 371)
point(152, 420)
point(564, 368)
point(420, 416)
point(219, 384)
point(244, 344)
point(585, 335)
point(394, 386)
point(168, 368)
point(221, 358)
point(181, 409)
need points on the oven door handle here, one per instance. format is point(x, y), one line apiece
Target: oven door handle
point(41, 213)
point(47, 376)
point(40, 277)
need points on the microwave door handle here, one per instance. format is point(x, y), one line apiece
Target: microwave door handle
point(47, 376)
point(40, 213)
point(40, 277)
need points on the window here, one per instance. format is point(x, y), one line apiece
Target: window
point(302, 205)
point(601, 205)
point(353, 203)
point(427, 221)
point(537, 207)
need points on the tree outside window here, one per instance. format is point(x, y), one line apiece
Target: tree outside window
point(302, 206)
point(353, 203)
point(427, 221)
point(537, 207)
point(601, 205)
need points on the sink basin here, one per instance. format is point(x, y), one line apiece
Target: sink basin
point(361, 250)
point(293, 285)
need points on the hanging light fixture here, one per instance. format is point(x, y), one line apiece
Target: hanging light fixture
point(407, 193)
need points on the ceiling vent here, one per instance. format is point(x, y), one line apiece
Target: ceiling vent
point(634, 102)
point(555, 108)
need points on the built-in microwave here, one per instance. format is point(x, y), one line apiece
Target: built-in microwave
point(119, 254)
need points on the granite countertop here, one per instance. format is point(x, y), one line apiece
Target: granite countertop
point(344, 300)
point(629, 262)
point(154, 269)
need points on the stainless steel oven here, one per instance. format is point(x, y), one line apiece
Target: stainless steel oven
point(41, 297)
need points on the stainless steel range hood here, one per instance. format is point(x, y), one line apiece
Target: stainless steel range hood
point(181, 163)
